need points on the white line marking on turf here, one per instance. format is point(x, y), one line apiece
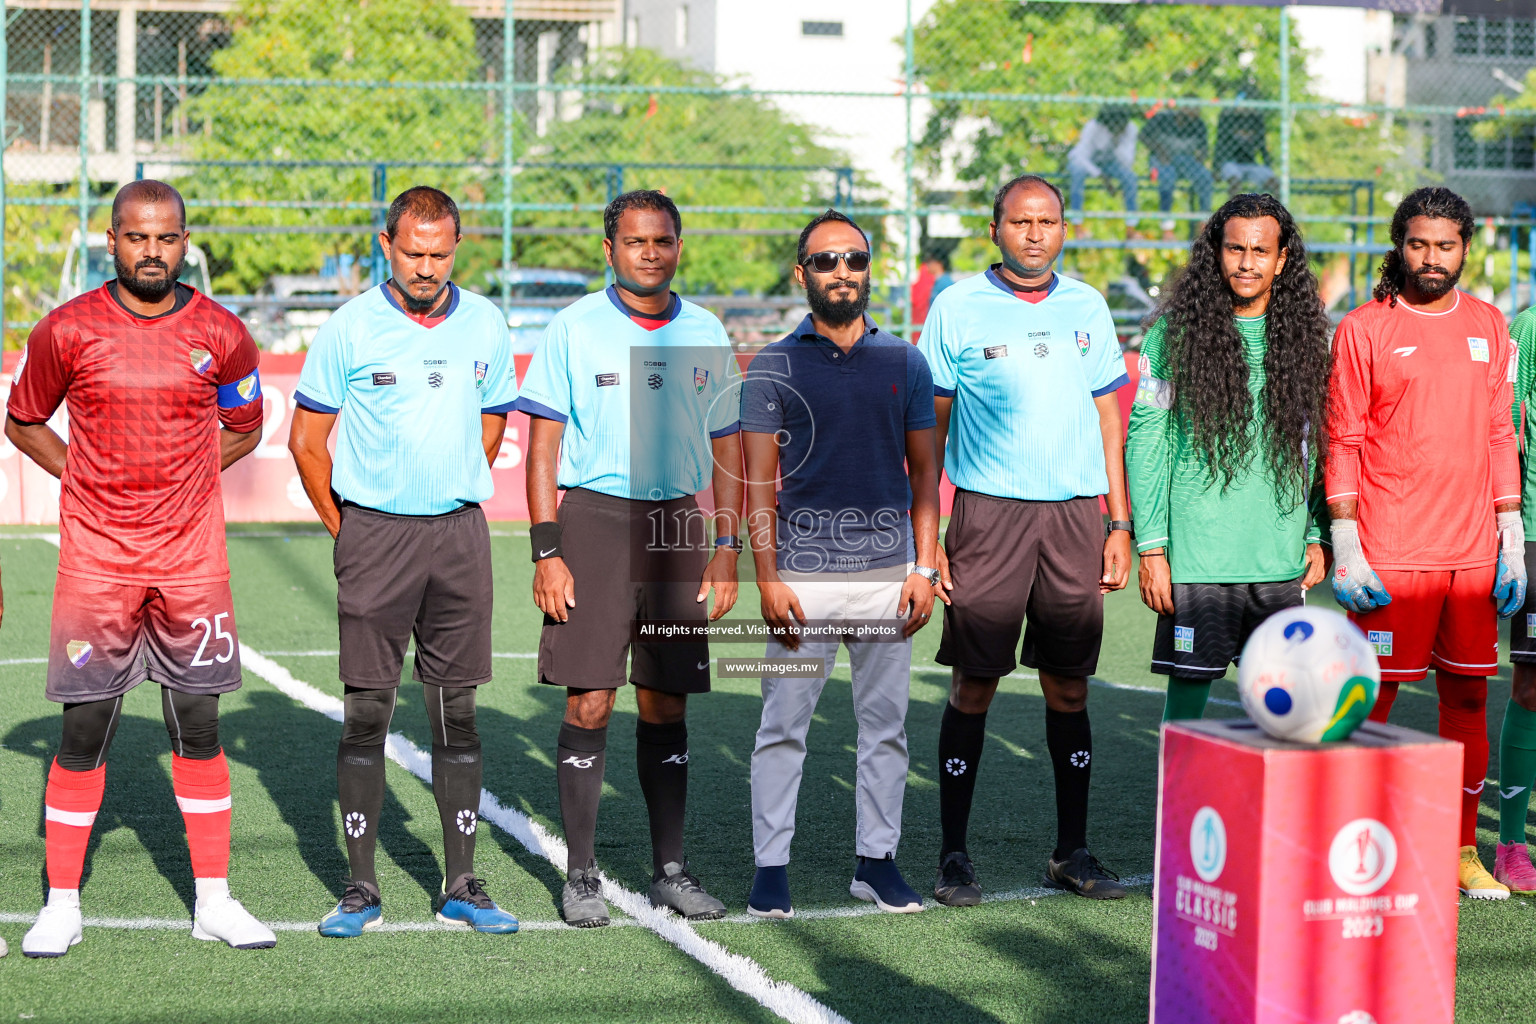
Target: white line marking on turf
point(23, 661)
point(741, 973)
point(171, 924)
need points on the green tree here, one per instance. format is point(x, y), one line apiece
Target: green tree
point(338, 40)
point(628, 129)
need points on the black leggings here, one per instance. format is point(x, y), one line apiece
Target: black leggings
point(191, 719)
point(450, 711)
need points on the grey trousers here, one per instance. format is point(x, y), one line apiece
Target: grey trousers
point(881, 676)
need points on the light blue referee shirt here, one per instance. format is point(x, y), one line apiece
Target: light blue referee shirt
point(410, 399)
point(639, 406)
point(1024, 376)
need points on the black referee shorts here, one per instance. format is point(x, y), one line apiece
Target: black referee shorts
point(1212, 621)
point(631, 561)
point(427, 576)
point(1522, 626)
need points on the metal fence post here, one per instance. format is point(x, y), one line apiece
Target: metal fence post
point(1285, 106)
point(83, 133)
point(1514, 271)
point(909, 260)
point(380, 269)
point(508, 69)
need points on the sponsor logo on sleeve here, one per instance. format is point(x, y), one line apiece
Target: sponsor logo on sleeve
point(201, 359)
point(1514, 363)
point(995, 352)
point(382, 379)
point(21, 364)
point(1479, 349)
point(481, 369)
point(607, 380)
point(700, 380)
point(1084, 343)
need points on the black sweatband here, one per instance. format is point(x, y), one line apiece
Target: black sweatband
point(545, 541)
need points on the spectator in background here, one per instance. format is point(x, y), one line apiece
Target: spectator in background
point(1107, 147)
point(1176, 140)
point(1242, 157)
point(932, 278)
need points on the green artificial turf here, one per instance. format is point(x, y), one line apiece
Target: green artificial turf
point(1038, 958)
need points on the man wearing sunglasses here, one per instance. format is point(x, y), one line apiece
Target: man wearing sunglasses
point(1025, 368)
point(843, 412)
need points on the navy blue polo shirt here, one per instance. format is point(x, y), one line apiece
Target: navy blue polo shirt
point(841, 419)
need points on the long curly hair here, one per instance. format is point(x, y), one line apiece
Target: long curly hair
point(1210, 374)
point(1431, 201)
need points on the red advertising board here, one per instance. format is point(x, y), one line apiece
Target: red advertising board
point(264, 487)
point(1305, 883)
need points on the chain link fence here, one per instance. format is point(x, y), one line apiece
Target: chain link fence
point(289, 124)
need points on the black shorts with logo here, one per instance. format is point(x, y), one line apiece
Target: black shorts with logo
point(1023, 562)
point(1212, 621)
point(427, 576)
point(631, 561)
point(1522, 627)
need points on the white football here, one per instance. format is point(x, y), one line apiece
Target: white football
point(1308, 674)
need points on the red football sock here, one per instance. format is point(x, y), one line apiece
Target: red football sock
point(70, 805)
point(1384, 698)
point(1464, 718)
point(202, 792)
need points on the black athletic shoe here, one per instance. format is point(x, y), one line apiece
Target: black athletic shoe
point(679, 890)
point(581, 902)
point(1082, 873)
point(956, 885)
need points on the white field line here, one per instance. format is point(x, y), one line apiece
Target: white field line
point(173, 924)
point(741, 973)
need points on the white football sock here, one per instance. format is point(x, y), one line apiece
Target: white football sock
point(210, 889)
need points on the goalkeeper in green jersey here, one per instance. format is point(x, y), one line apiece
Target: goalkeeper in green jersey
point(1517, 740)
point(1221, 451)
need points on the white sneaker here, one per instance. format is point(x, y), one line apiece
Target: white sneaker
point(4, 949)
point(225, 920)
point(58, 927)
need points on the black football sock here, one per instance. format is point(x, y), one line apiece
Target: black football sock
point(456, 785)
point(579, 774)
point(1070, 741)
point(360, 788)
point(661, 758)
point(960, 738)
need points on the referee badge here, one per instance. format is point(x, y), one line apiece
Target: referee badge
point(700, 379)
point(1083, 342)
point(480, 371)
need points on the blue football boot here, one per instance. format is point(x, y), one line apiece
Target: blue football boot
point(466, 903)
point(358, 910)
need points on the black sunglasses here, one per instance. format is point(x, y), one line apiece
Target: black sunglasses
point(826, 262)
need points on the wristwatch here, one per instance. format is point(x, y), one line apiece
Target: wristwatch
point(1119, 524)
point(931, 575)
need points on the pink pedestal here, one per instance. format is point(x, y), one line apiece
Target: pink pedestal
point(1305, 883)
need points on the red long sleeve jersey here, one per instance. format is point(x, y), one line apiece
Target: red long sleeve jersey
point(1419, 431)
point(140, 501)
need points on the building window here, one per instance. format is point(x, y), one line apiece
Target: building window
point(833, 29)
point(632, 31)
point(682, 26)
point(1515, 150)
point(1494, 37)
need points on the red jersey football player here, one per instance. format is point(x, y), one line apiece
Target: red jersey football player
point(1424, 486)
point(149, 370)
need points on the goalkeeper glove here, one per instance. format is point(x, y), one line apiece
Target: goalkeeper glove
point(1355, 584)
point(1509, 584)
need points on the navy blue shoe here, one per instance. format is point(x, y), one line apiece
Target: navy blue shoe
point(878, 882)
point(770, 894)
point(466, 903)
point(358, 911)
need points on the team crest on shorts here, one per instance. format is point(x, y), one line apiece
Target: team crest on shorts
point(79, 652)
point(1083, 342)
point(700, 379)
point(1530, 627)
point(1381, 642)
point(202, 360)
point(481, 369)
point(1184, 639)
